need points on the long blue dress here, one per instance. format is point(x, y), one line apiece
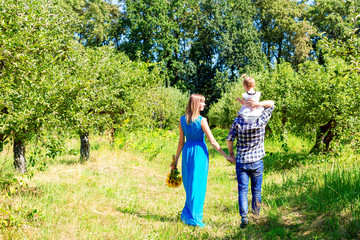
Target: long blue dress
point(195, 167)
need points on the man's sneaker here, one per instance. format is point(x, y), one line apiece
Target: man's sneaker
point(244, 222)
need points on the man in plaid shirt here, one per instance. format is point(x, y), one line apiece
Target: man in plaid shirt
point(249, 153)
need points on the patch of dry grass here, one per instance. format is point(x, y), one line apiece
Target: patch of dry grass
point(120, 195)
point(117, 195)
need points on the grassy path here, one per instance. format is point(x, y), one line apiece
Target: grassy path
point(122, 196)
point(119, 195)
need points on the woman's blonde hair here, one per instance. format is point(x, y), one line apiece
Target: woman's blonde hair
point(193, 107)
point(248, 81)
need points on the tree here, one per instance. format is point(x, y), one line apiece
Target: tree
point(277, 84)
point(239, 47)
point(112, 93)
point(144, 22)
point(318, 95)
point(325, 99)
point(35, 38)
point(346, 53)
point(348, 46)
point(200, 43)
point(154, 32)
point(284, 31)
point(96, 20)
point(224, 44)
point(332, 20)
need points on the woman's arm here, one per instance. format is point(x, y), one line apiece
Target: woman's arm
point(180, 145)
point(205, 127)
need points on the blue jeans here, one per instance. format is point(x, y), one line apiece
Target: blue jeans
point(255, 172)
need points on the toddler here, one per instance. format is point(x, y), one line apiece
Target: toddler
point(250, 115)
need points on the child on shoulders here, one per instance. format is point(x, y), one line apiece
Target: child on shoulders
point(250, 115)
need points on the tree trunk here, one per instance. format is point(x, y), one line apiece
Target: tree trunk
point(324, 137)
point(2, 140)
point(19, 155)
point(85, 146)
point(112, 137)
point(112, 132)
point(278, 59)
point(3, 136)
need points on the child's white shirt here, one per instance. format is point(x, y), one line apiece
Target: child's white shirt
point(250, 116)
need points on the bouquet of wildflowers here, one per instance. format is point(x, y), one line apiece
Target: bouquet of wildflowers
point(174, 179)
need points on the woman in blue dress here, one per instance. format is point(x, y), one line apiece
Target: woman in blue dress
point(195, 159)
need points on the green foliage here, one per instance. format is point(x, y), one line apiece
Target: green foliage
point(284, 31)
point(331, 18)
point(36, 39)
point(324, 93)
point(96, 22)
point(110, 89)
point(149, 27)
point(305, 100)
point(278, 86)
point(200, 44)
point(220, 48)
point(164, 107)
point(225, 110)
point(13, 216)
point(334, 21)
point(239, 46)
point(146, 141)
point(49, 82)
point(346, 45)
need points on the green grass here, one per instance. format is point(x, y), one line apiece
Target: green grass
point(121, 193)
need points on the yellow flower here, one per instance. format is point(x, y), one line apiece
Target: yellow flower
point(173, 179)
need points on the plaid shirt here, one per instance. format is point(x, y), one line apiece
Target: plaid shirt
point(250, 137)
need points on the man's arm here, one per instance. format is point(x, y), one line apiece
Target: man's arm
point(267, 103)
point(233, 132)
point(230, 145)
point(253, 103)
point(266, 114)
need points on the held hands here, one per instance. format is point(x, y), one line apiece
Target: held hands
point(231, 159)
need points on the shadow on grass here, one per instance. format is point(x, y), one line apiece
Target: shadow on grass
point(271, 227)
point(70, 160)
point(283, 227)
point(321, 189)
point(149, 216)
point(277, 161)
point(329, 196)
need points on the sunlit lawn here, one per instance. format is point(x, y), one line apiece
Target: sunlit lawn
point(120, 194)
